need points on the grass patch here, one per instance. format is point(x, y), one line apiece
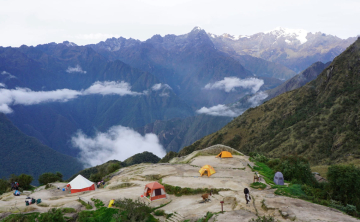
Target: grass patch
point(43, 204)
point(162, 205)
point(277, 186)
point(86, 205)
point(293, 190)
point(322, 170)
point(265, 171)
point(258, 185)
point(178, 191)
point(67, 210)
point(206, 218)
point(55, 198)
point(122, 185)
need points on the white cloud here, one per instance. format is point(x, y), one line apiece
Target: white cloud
point(4, 108)
point(258, 98)
point(159, 86)
point(107, 88)
point(117, 143)
point(164, 94)
point(8, 74)
point(220, 110)
point(77, 68)
point(25, 96)
point(230, 83)
point(2, 85)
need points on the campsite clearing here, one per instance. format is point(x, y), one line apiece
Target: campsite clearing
point(232, 176)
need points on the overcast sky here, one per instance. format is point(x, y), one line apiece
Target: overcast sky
point(33, 22)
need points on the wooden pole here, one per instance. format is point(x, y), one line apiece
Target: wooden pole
point(222, 210)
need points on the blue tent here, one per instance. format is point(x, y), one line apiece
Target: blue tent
point(279, 178)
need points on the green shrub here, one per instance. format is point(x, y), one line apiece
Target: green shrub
point(344, 183)
point(296, 169)
point(53, 215)
point(97, 177)
point(4, 186)
point(98, 203)
point(99, 215)
point(46, 178)
point(23, 180)
point(159, 213)
point(132, 210)
point(113, 167)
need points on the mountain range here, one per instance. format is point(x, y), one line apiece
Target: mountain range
point(295, 49)
point(176, 87)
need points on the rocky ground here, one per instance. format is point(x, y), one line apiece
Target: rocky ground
point(233, 174)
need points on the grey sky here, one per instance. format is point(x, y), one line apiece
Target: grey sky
point(87, 21)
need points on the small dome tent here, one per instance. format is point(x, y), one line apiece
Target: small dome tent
point(80, 184)
point(279, 178)
point(224, 154)
point(154, 191)
point(207, 170)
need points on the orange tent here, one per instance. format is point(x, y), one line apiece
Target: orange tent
point(224, 154)
point(154, 191)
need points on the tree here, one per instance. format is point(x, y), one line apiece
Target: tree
point(344, 181)
point(46, 178)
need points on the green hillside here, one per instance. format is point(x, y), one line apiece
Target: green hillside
point(112, 165)
point(24, 154)
point(320, 120)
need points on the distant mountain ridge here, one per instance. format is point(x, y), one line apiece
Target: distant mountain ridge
point(294, 48)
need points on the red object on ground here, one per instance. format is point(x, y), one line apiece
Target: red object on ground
point(155, 191)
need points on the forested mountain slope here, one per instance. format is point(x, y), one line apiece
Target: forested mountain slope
point(320, 120)
point(24, 154)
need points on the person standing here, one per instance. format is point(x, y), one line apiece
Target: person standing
point(247, 195)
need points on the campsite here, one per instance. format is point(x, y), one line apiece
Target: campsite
point(150, 183)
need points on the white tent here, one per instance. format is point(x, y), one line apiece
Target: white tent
point(80, 184)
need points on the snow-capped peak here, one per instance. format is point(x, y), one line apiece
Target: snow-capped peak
point(197, 28)
point(69, 44)
point(299, 34)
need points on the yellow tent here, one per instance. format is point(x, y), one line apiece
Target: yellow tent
point(111, 203)
point(224, 154)
point(207, 170)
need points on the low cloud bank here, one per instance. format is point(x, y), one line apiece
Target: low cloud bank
point(220, 110)
point(229, 84)
point(25, 96)
point(258, 98)
point(117, 143)
point(110, 88)
point(8, 75)
point(77, 68)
